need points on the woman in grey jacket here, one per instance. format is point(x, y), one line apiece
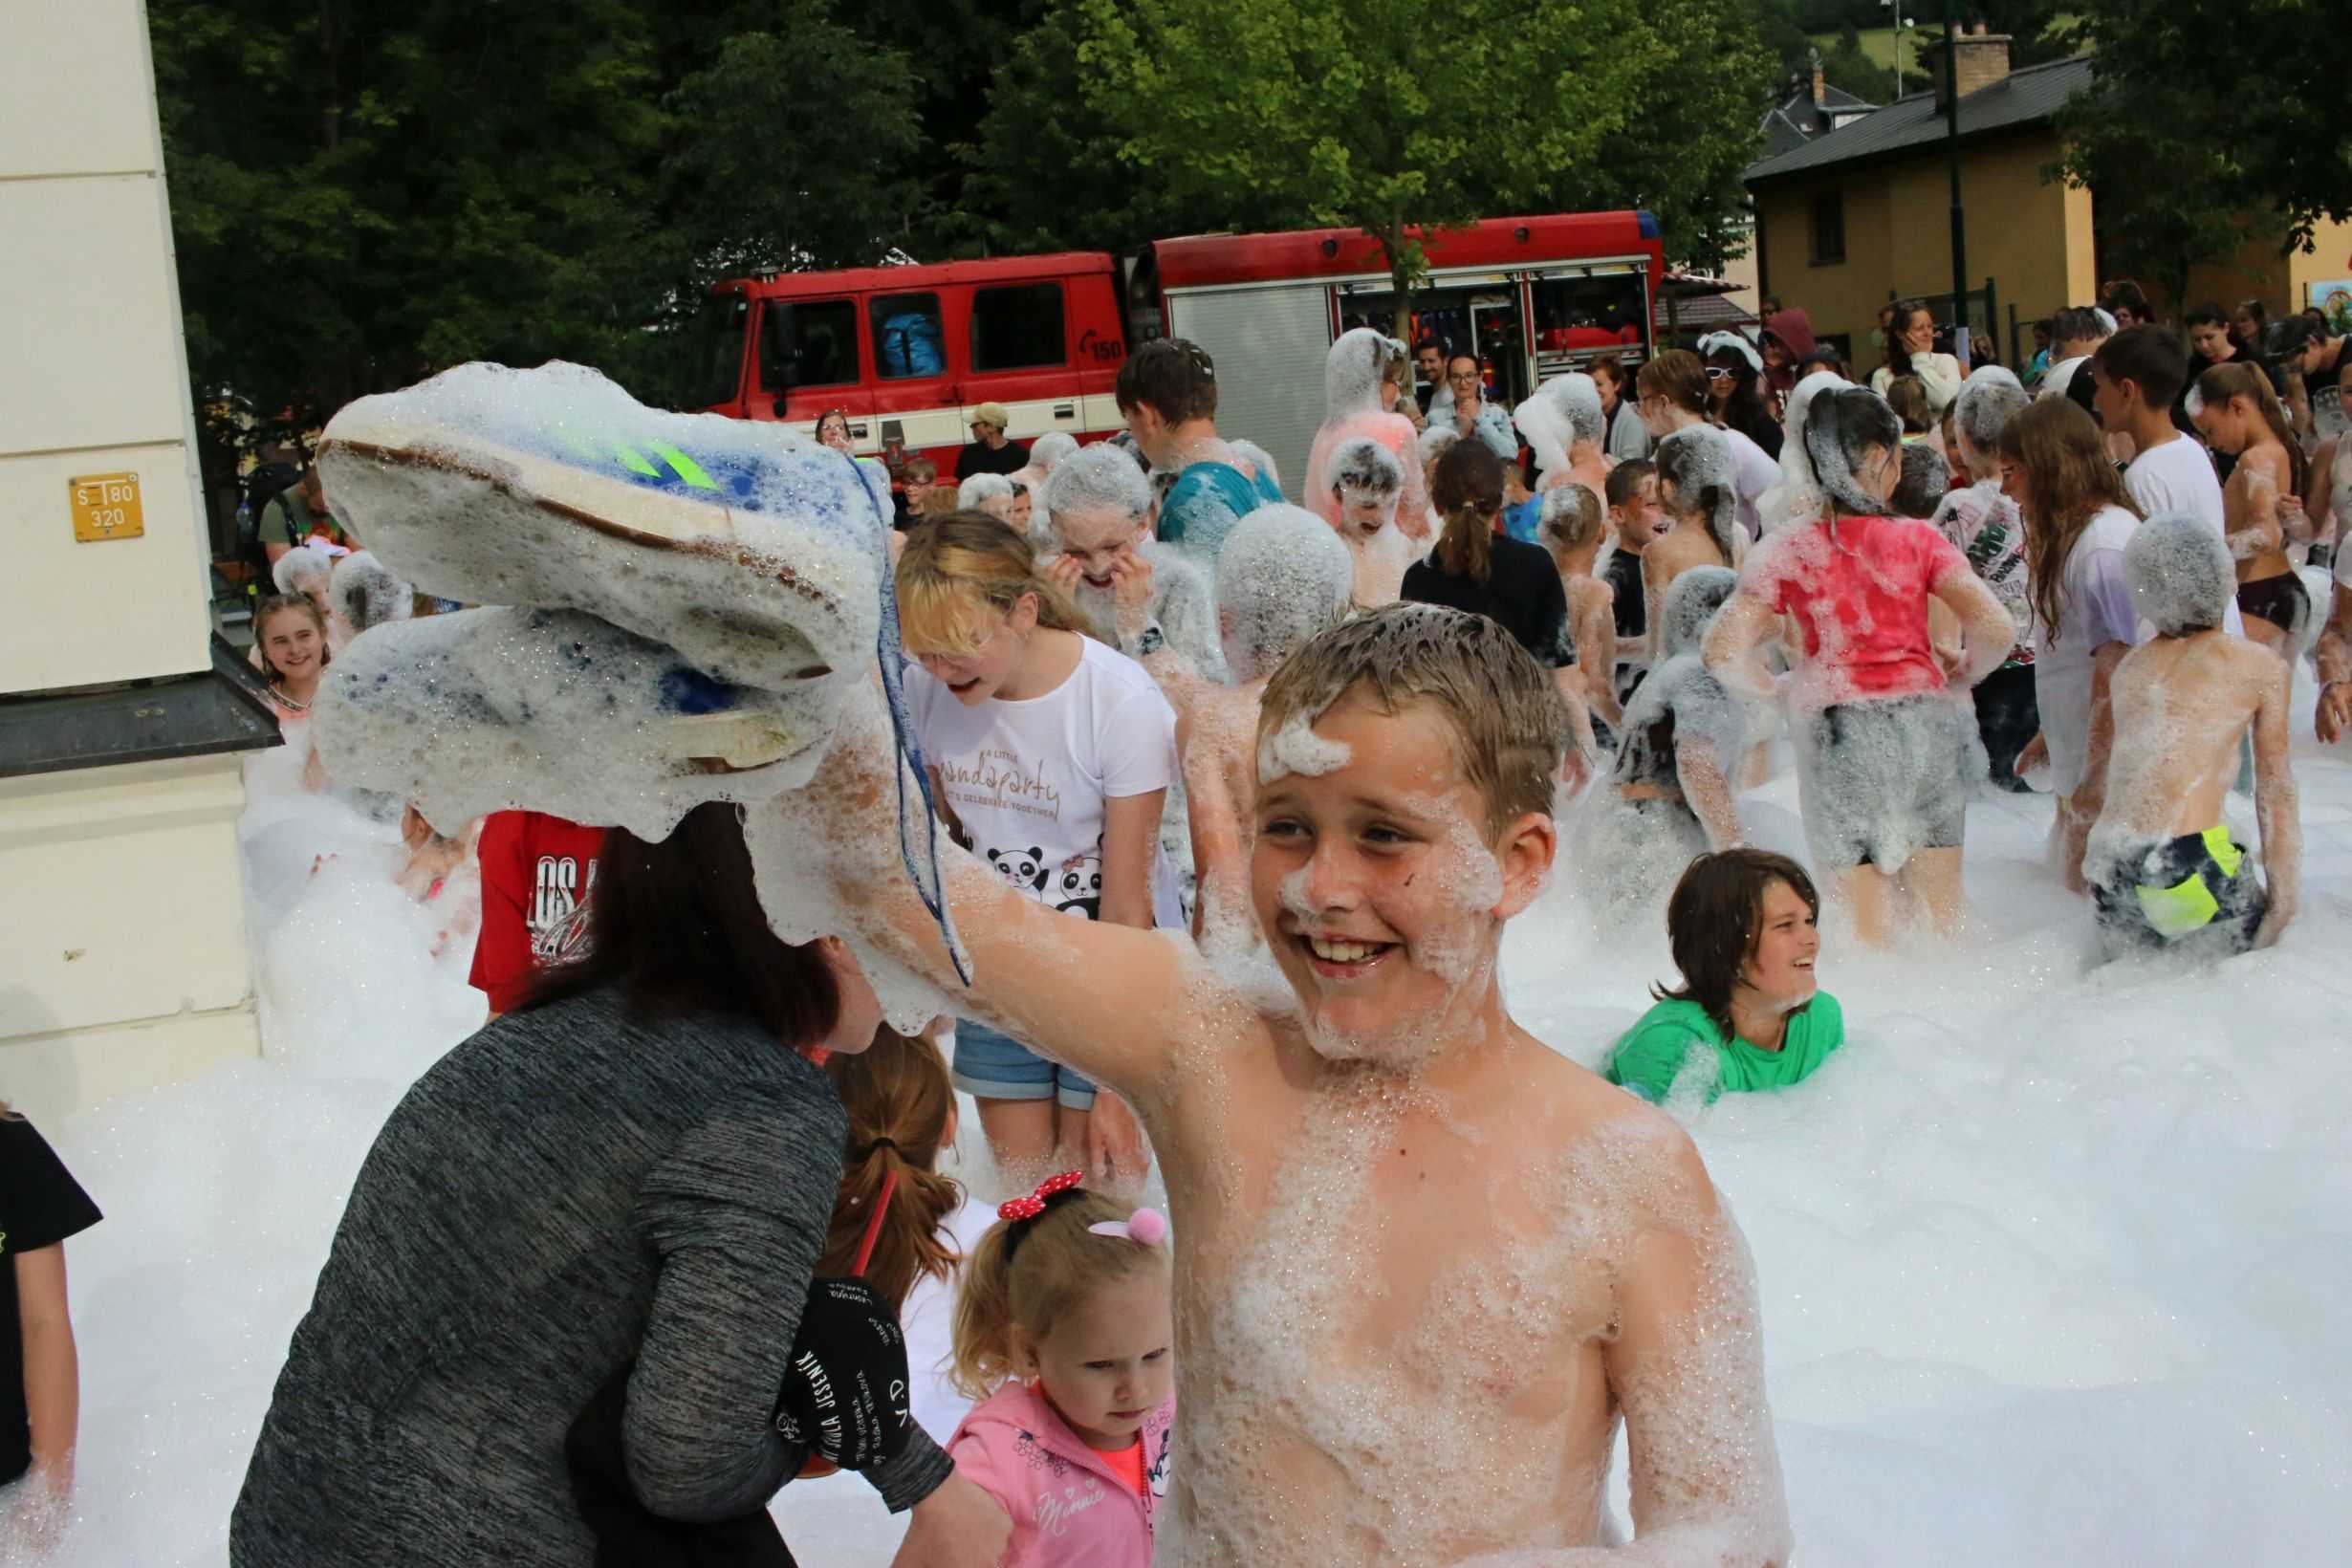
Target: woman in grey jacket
point(638, 1165)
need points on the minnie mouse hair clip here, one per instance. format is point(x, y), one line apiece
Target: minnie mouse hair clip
point(1146, 1227)
point(1012, 1210)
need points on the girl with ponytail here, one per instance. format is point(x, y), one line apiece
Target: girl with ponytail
point(902, 1115)
point(1064, 1334)
point(2237, 412)
point(1474, 568)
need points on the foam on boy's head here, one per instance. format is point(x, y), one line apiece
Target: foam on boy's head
point(1695, 463)
point(1509, 723)
point(1436, 440)
point(1691, 604)
point(1365, 465)
point(302, 569)
point(1049, 450)
point(2181, 577)
point(1989, 400)
point(1282, 577)
point(1097, 479)
point(1360, 361)
point(1578, 398)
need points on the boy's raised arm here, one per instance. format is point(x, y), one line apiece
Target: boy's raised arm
point(1109, 1000)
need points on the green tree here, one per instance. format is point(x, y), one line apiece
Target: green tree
point(364, 192)
point(2203, 108)
point(1393, 118)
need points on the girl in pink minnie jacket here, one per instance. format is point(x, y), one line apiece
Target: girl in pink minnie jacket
point(1062, 1334)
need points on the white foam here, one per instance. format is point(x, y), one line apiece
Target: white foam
point(1295, 747)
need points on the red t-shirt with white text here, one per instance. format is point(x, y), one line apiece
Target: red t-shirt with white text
point(537, 873)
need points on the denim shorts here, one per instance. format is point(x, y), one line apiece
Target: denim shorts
point(992, 1066)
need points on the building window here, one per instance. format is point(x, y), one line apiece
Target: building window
point(1828, 228)
point(1018, 328)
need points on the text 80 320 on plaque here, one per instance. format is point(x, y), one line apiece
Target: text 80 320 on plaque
point(107, 507)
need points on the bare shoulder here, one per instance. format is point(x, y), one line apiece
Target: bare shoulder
point(1586, 594)
point(1624, 1150)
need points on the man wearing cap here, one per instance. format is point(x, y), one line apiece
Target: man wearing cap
point(987, 451)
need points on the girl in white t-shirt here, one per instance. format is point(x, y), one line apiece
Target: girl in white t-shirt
point(2078, 519)
point(1050, 755)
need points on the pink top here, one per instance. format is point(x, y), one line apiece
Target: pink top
point(1070, 1506)
point(1859, 593)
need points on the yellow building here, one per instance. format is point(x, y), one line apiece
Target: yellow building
point(1861, 214)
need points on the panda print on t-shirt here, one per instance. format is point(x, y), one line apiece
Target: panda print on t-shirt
point(1078, 888)
point(1023, 869)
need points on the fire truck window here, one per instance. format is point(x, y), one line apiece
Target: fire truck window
point(714, 350)
point(809, 342)
point(907, 336)
point(1588, 313)
point(1018, 328)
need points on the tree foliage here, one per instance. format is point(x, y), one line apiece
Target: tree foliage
point(1387, 116)
point(2203, 108)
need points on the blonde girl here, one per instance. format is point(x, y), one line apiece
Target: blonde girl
point(291, 633)
point(1050, 756)
point(1064, 1334)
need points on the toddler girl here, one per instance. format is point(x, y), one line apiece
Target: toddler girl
point(1064, 1333)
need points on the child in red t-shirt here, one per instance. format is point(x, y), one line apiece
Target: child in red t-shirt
point(537, 874)
point(1885, 754)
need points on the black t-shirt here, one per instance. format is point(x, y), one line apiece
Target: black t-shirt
point(40, 1204)
point(978, 457)
point(1522, 594)
point(1624, 576)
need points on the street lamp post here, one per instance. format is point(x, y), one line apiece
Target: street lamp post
point(1897, 7)
point(1951, 144)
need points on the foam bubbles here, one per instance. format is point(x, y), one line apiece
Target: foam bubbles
point(365, 592)
point(1295, 747)
point(1097, 480)
point(1282, 577)
point(2180, 574)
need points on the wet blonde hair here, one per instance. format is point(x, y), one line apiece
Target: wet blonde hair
point(1030, 1274)
point(1509, 723)
point(960, 572)
point(1571, 516)
point(897, 1095)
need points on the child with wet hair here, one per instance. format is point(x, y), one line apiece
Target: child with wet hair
point(1368, 489)
point(1683, 733)
point(1925, 478)
point(1636, 520)
point(1343, 1236)
point(1487, 573)
point(1065, 1335)
point(1746, 927)
point(1695, 489)
point(1985, 526)
point(1885, 748)
point(1572, 532)
point(991, 496)
point(1098, 549)
point(901, 1105)
point(1359, 364)
point(2237, 413)
point(2164, 873)
point(1564, 427)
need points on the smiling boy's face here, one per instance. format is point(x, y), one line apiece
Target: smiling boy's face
point(1378, 894)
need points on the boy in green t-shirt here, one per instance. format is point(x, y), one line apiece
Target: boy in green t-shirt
point(1745, 925)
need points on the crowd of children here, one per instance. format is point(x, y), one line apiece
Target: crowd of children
point(1340, 747)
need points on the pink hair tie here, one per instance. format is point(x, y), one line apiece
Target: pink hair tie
point(1146, 1227)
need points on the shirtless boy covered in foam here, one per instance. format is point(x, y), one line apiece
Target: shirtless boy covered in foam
point(2160, 863)
point(1425, 1264)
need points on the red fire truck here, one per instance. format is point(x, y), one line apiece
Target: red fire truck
point(908, 353)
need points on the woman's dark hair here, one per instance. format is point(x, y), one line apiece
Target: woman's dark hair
point(1898, 357)
point(1822, 357)
point(1744, 410)
point(678, 927)
point(1467, 490)
point(1715, 918)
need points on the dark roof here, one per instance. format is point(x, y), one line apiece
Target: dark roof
point(2024, 98)
point(1702, 313)
point(1797, 119)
